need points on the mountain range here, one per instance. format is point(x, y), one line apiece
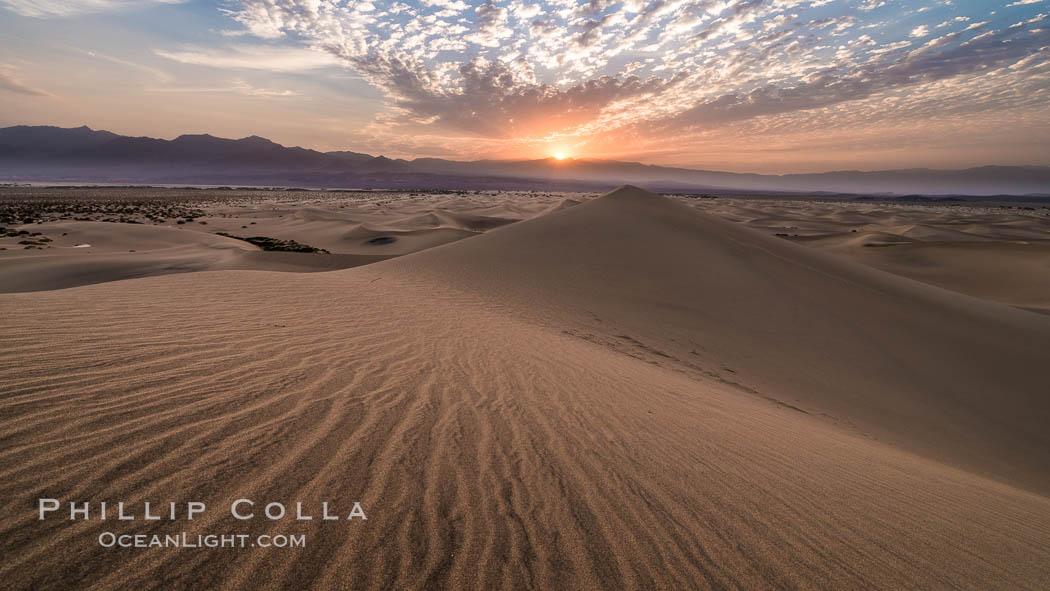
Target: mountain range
point(81, 154)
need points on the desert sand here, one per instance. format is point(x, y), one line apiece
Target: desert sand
point(93, 235)
point(999, 252)
point(620, 392)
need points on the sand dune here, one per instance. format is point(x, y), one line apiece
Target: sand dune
point(961, 379)
point(355, 229)
point(626, 393)
point(82, 253)
point(995, 252)
point(93, 252)
point(380, 223)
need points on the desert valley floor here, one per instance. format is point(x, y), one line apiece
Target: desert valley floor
point(526, 390)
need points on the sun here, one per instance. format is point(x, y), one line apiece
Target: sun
point(560, 155)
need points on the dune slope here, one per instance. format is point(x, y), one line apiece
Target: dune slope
point(947, 375)
point(97, 252)
point(498, 437)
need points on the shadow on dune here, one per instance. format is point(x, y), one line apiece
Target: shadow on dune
point(956, 378)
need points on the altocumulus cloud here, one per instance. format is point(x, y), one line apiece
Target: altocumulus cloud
point(895, 69)
point(523, 68)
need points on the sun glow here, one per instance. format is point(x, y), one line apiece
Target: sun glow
point(560, 155)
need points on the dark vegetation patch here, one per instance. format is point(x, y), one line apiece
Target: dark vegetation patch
point(29, 205)
point(30, 240)
point(382, 240)
point(11, 233)
point(267, 243)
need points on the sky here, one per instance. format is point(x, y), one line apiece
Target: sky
point(769, 86)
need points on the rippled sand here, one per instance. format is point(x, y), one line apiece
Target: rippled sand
point(622, 394)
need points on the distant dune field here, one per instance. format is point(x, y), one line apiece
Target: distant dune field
point(999, 252)
point(93, 235)
point(624, 392)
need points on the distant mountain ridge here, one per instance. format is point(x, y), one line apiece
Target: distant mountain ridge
point(81, 154)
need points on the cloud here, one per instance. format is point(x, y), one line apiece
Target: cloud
point(10, 83)
point(242, 87)
point(253, 57)
point(490, 99)
point(65, 8)
point(505, 70)
point(236, 86)
point(833, 87)
point(157, 74)
point(490, 26)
